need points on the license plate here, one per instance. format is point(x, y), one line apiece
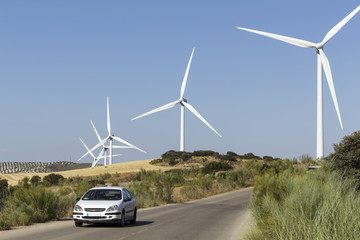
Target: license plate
point(93, 214)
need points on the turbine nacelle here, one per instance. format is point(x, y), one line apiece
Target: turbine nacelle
point(182, 101)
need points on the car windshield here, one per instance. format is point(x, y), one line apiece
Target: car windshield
point(102, 194)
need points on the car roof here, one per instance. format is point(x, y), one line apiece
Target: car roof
point(108, 188)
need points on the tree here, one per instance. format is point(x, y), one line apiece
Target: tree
point(35, 180)
point(53, 179)
point(3, 189)
point(346, 157)
point(213, 167)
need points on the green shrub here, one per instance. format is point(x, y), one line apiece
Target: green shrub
point(205, 153)
point(43, 204)
point(3, 190)
point(186, 156)
point(307, 159)
point(228, 157)
point(35, 180)
point(299, 205)
point(213, 167)
point(173, 162)
point(53, 179)
point(249, 156)
point(346, 157)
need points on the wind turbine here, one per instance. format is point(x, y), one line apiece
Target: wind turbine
point(105, 148)
point(110, 137)
point(322, 63)
point(102, 154)
point(183, 103)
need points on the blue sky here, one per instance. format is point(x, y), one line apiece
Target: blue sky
point(59, 60)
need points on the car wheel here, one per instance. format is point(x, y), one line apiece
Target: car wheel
point(122, 223)
point(133, 221)
point(78, 224)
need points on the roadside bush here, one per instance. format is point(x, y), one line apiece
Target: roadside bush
point(307, 159)
point(299, 205)
point(346, 158)
point(38, 203)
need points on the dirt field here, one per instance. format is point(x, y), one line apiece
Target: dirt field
point(126, 167)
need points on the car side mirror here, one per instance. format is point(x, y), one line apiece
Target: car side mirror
point(127, 199)
point(78, 199)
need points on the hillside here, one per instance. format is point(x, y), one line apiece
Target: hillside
point(126, 167)
point(39, 167)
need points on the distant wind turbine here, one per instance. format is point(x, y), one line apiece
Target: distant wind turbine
point(183, 103)
point(105, 148)
point(102, 154)
point(322, 63)
point(110, 137)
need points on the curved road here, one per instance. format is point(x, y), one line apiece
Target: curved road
point(222, 217)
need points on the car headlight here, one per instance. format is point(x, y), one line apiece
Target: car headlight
point(77, 208)
point(112, 208)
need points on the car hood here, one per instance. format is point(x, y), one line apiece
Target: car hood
point(97, 204)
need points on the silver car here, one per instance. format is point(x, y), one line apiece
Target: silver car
point(105, 205)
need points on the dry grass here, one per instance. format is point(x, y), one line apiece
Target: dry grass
point(126, 167)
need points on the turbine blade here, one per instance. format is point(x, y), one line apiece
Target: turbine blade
point(327, 70)
point(101, 153)
point(338, 26)
point(108, 117)
point(87, 148)
point(290, 40)
point(166, 106)
point(96, 160)
point(114, 155)
point(193, 110)
point(122, 147)
point(183, 85)
point(96, 146)
point(125, 142)
point(97, 134)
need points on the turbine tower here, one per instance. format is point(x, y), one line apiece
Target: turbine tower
point(183, 104)
point(322, 63)
point(110, 137)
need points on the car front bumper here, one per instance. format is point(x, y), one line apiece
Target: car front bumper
point(102, 217)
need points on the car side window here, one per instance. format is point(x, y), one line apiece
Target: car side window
point(125, 195)
point(129, 194)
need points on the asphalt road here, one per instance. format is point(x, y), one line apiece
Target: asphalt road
point(222, 217)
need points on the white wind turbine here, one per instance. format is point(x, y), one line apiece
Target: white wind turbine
point(110, 137)
point(102, 154)
point(322, 62)
point(183, 103)
point(105, 148)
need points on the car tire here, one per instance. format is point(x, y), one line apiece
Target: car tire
point(122, 222)
point(133, 221)
point(78, 224)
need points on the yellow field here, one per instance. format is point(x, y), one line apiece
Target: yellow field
point(126, 167)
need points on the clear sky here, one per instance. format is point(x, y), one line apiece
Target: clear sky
point(59, 60)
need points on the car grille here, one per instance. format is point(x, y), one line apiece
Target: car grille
point(94, 209)
point(93, 217)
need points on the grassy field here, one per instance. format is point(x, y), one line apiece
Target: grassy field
point(126, 167)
